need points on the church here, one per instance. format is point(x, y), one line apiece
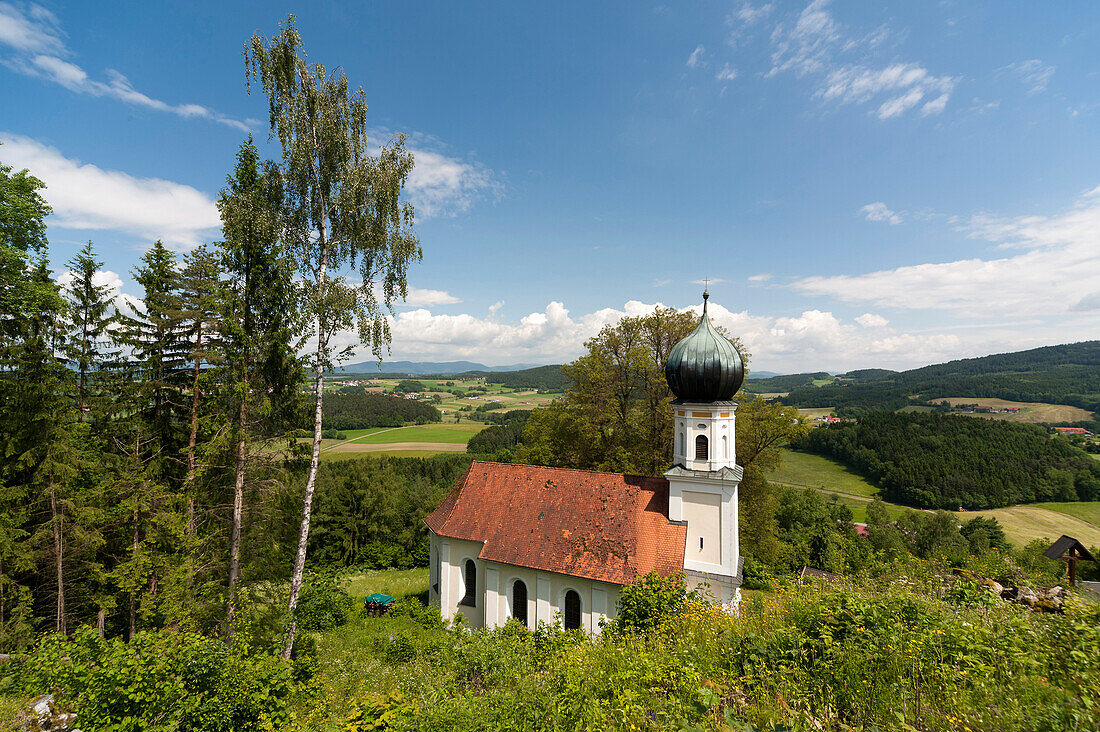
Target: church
point(528, 542)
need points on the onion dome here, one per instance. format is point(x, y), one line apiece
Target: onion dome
point(705, 366)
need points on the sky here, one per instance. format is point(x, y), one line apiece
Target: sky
point(864, 185)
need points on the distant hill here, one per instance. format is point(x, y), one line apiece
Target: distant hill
point(1067, 374)
point(543, 378)
point(428, 368)
point(761, 375)
point(779, 384)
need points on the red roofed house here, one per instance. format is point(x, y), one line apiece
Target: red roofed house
point(529, 542)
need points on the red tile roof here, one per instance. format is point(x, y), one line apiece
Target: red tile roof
point(603, 526)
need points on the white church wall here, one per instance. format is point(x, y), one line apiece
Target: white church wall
point(703, 513)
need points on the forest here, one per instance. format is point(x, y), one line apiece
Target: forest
point(953, 461)
point(543, 378)
point(353, 411)
point(1066, 374)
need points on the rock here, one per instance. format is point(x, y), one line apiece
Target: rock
point(1026, 596)
point(994, 586)
point(43, 715)
point(1009, 593)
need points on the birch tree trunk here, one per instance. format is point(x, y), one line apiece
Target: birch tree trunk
point(238, 514)
point(311, 481)
point(59, 554)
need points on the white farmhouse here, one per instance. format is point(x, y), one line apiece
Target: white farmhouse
point(528, 542)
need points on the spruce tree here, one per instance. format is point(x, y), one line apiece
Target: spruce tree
point(260, 326)
point(155, 337)
point(91, 313)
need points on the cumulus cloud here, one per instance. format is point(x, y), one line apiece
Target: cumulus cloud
point(427, 298)
point(815, 45)
point(114, 283)
point(1032, 73)
point(811, 340)
point(878, 211)
point(441, 185)
point(871, 320)
point(34, 45)
point(1057, 271)
point(84, 196)
point(696, 57)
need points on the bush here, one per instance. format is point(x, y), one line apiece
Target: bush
point(651, 600)
point(426, 615)
point(323, 603)
point(166, 680)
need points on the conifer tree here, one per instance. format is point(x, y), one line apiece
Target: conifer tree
point(158, 353)
point(260, 325)
point(342, 210)
point(91, 313)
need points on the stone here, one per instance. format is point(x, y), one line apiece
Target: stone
point(42, 715)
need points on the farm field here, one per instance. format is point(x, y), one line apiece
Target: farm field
point(411, 441)
point(1085, 510)
point(1025, 523)
point(812, 412)
point(1031, 412)
point(814, 471)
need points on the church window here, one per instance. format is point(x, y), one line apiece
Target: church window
point(701, 447)
point(519, 601)
point(572, 610)
point(700, 543)
point(725, 447)
point(470, 598)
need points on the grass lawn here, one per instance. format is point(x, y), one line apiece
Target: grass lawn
point(395, 582)
point(814, 471)
point(339, 455)
point(1085, 510)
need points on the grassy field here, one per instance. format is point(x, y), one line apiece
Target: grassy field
point(412, 441)
point(395, 582)
point(1032, 412)
point(1088, 511)
point(813, 471)
point(812, 412)
point(1024, 523)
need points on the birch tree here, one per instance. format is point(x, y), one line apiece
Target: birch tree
point(343, 217)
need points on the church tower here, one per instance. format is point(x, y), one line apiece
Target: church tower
point(704, 371)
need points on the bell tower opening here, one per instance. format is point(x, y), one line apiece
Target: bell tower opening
point(701, 447)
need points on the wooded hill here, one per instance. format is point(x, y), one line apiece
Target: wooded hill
point(951, 461)
point(1067, 374)
point(355, 411)
point(543, 378)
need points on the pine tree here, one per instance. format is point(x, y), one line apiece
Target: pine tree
point(91, 313)
point(259, 323)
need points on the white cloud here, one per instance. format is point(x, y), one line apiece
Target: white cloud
point(30, 29)
point(696, 57)
point(727, 73)
point(427, 298)
point(128, 304)
point(747, 14)
point(871, 320)
point(1056, 274)
point(495, 307)
point(708, 281)
point(762, 277)
point(84, 196)
point(813, 340)
point(36, 47)
point(878, 211)
point(815, 45)
point(1032, 73)
point(441, 185)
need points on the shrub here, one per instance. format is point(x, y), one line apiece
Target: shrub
point(648, 602)
point(323, 603)
point(180, 681)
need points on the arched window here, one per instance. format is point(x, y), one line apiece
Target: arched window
point(572, 610)
point(725, 447)
point(681, 443)
point(701, 447)
point(470, 598)
point(519, 601)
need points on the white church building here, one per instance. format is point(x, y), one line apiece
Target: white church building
point(529, 542)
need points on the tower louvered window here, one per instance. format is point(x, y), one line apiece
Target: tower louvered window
point(701, 447)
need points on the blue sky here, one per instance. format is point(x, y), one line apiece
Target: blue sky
point(887, 184)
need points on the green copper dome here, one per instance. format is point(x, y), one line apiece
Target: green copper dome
point(705, 366)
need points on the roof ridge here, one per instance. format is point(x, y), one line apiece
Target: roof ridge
point(570, 470)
